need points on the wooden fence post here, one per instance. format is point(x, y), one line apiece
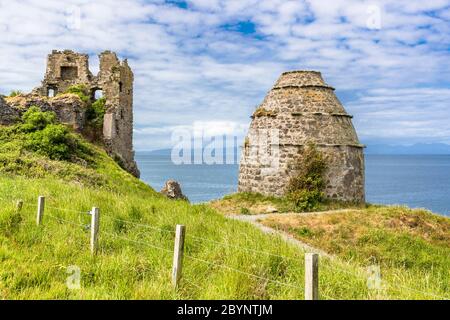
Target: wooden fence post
point(311, 276)
point(178, 254)
point(19, 205)
point(95, 220)
point(40, 210)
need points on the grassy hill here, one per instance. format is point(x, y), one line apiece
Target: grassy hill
point(224, 259)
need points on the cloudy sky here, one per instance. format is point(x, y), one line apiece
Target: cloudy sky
point(209, 63)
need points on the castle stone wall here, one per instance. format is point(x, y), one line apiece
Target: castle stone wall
point(8, 114)
point(64, 69)
point(69, 108)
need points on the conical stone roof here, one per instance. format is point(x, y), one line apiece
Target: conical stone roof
point(301, 109)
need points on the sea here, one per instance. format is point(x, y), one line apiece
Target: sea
point(417, 181)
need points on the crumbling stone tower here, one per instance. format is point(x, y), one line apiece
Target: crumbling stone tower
point(301, 109)
point(114, 81)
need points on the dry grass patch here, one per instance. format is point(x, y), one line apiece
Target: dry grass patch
point(233, 207)
point(350, 227)
point(255, 203)
point(411, 245)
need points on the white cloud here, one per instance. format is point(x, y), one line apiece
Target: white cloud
point(403, 114)
point(195, 65)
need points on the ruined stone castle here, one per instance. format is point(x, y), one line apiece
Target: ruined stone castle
point(301, 109)
point(115, 83)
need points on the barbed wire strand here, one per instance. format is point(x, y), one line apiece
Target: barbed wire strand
point(358, 273)
point(29, 205)
point(140, 224)
point(199, 239)
point(242, 272)
point(137, 241)
point(68, 210)
point(13, 201)
point(64, 220)
point(204, 239)
point(9, 199)
point(184, 279)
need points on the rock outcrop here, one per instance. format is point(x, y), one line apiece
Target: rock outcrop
point(172, 190)
point(301, 109)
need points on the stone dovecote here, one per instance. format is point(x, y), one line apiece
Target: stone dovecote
point(301, 109)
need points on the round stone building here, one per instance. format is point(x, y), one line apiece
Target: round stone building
point(302, 109)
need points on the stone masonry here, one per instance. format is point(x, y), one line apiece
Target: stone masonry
point(301, 109)
point(114, 81)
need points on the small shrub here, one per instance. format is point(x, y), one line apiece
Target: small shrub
point(34, 119)
point(305, 232)
point(81, 91)
point(245, 211)
point(15, 93)
point(43, 135)
point(305, 200)
point(305, 189)
point(96, 112)
point(54, 141)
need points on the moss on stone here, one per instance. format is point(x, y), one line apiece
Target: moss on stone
point(262, 112)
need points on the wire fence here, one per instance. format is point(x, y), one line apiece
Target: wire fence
point(137, 242)
point(59, 219)
point(223, 266)
point(335, 267)
point(140, 225)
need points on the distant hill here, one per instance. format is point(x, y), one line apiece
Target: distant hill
point(419, 148)
point(168, 152)
point(159, 152)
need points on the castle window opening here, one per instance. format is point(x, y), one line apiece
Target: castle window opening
point(51, 92)
point(69, 73)
point(120, 86)
point(98, 93)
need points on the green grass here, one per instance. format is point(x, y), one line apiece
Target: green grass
point(134, 258)
point(256, 203)
point(34, 260)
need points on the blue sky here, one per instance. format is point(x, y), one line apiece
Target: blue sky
point(208, 63)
